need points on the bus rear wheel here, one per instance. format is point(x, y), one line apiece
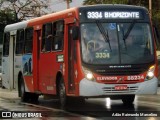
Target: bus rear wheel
point(128, 99)
point(33, 97)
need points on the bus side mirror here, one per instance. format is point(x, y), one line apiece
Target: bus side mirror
point(75, 32)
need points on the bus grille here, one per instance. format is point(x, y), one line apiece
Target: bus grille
point(108, 90)
point(122, 71)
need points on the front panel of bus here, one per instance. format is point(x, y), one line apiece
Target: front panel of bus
point(117, 51)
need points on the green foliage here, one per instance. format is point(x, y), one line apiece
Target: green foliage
point(6, 17)
point(92, 2)
point(12, 11)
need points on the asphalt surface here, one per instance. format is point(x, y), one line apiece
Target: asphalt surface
point(5, 93)
point(93, 109)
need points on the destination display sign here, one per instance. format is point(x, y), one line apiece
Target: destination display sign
point(114, 15)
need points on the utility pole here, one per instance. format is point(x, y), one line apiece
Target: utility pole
point(67, 1)
point(150, 7)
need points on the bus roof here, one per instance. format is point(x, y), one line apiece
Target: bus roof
point(50, 17)
point(16, 26)
point(114, 6)
point(63, 14)
point(35, 21)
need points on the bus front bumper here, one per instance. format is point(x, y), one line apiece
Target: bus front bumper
point(94, 89)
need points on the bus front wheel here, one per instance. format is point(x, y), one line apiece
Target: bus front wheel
point(62, 93)
point(23, 93)
point(26, 96)
point(128, 99)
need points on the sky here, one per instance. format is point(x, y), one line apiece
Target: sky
point(58, 5)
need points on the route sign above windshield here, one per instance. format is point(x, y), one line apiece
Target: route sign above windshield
point(114, 15)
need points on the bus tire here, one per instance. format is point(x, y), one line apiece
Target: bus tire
point(62, 93)
point(23, 93)
point(128, 99)
point(77, 101)
point(34, 97)
point(81, 101)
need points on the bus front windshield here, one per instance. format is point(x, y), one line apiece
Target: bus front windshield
point(116, 43)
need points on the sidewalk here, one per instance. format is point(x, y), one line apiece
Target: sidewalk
point(8, 94)
point(158, 91)
point(5, 93)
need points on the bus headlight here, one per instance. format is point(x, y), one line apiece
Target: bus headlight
point(88, 74)
point(150, 73)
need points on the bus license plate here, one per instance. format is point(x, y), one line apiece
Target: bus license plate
point(120, 87)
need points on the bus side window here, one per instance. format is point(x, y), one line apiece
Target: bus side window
point(28, 40)
point(20, 41)
point(6, 44)
point(58, 35)
point(157, 38)
point(47, 37)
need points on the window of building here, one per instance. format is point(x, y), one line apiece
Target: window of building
point(58, 35)
point(19, 41)
point(28, 40)
point(6, 44)
point(47, 37)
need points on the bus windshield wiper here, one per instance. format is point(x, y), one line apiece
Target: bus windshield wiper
point(125, 36)
point(105, 35)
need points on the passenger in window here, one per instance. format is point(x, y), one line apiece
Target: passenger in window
point(58, 43)
point(30, 66)
point(48, 43)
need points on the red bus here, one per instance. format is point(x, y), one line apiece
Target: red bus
point(83, 52)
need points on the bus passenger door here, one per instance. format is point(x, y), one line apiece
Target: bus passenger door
point(36, 58)
point(8, 62)
point(71, 61)
point(12, 80)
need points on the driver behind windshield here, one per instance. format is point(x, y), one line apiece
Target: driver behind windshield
point(95, 45)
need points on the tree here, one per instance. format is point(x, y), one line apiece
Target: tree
point(92, 2)
point(12, 11)
point(25, 9)
point(155, 3)
point(6, 17)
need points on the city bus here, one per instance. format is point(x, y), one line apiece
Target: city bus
point(83, 52)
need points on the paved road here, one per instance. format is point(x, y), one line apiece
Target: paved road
point(93, 108)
